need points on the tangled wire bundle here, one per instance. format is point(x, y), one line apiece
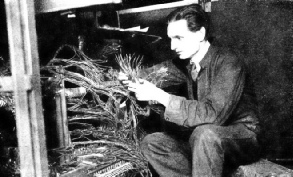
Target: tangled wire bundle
point(107, 103)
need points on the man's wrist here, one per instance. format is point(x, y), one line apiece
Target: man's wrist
point(162, 97)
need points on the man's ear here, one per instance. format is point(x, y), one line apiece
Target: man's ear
point(202, 33)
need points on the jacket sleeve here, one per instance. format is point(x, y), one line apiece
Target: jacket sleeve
point(226, 85)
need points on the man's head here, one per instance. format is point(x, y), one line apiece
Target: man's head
point(188, 27)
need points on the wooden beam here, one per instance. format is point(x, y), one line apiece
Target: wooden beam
point(58, 5)
point(158, 7)
point(28, 103)
point(6, 83)
point(262, 168)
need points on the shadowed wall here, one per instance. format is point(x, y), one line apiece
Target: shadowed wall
point(262, 33)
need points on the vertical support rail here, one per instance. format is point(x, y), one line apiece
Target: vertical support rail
point(26, 87)
point(62, 122)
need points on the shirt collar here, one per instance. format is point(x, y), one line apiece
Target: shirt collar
point(200, 56)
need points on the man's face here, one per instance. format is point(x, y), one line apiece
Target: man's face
point(183, 41)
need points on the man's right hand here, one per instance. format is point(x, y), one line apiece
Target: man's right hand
point(123, 78)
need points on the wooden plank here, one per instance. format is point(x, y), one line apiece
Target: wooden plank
point(262, 168)
point(28, 103)
point(149, 15)
point(58, 5)
point(6, 83)
point(158, 7)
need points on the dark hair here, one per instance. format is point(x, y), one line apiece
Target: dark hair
point(195, 16)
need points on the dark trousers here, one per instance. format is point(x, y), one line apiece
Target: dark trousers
point(206, 152)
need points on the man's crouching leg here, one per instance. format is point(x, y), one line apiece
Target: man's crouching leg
point(211, 145)
point(169, 157)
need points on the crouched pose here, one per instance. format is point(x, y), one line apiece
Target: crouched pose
point(220, 108)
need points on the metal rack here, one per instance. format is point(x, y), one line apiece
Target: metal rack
point(25, 79)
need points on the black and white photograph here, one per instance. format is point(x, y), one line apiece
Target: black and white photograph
point(146, 88)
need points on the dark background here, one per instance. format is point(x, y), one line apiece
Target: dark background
point(261, 32)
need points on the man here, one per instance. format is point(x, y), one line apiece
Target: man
point(221, 111)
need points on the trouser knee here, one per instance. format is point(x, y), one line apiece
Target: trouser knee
point(205, 134)
point(149, 141)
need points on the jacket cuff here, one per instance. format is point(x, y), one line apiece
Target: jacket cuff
point(173, 111)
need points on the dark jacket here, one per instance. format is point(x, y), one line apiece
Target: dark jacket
point(222, 94)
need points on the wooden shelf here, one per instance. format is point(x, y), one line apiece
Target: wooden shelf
point(147, 16)
point(43, 6)
point(158, 7)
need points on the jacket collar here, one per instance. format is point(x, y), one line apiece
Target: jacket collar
point(208, 57)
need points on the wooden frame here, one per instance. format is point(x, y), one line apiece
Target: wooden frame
point(25, 81)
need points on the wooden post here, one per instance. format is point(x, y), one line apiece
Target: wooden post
point(62, 121)
point(26, 87)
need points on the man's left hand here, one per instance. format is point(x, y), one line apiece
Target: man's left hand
point(146, 91)
point(143, 89)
